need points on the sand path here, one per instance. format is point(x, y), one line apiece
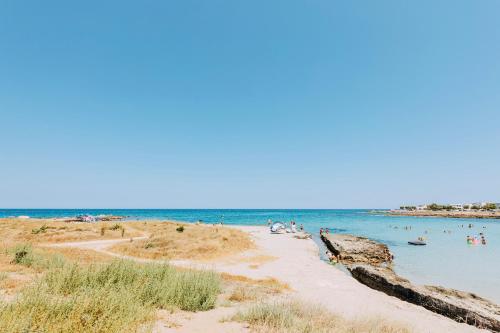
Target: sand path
point(297, 263)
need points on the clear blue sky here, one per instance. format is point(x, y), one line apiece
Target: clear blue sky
point(299, 104)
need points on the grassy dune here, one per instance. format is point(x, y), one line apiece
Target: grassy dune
point(119, 296)
point(77, 290)
point(49, 231)
point(185, 241)
point(297, 317)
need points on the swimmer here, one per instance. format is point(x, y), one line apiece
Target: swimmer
point(331, 257)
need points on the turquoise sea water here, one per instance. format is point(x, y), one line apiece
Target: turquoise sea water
point(447, 260)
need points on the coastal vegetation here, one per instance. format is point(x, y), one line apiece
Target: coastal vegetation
point(64, 289)
point(119, 296)
point(49, 231)
point(47, 288)
point(170, 240)
point(408, 207)
point(298, 317)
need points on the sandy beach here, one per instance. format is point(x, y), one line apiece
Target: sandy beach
point(297, 263)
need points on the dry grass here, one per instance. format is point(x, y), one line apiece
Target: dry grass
point(271, 283)
point(259, 259)
point(49, 231)
point(240, 288)
point(17, 276)
point(170, 240)
point(12, 283)
point(244, 293)
point(119, 296)
point(256, 261)
point(298, 317)
point(81, 256)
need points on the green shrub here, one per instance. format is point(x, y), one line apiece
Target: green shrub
point(160, 285)
point(102, 311)
point(297, 317)
point(23, 255)
point(42, 230)
point(149, 245)
point(490, 206)
point(115, 226)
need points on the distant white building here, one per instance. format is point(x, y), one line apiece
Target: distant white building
point(421, 207)
point(457, 206)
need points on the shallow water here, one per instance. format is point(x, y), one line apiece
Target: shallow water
point(446, 260)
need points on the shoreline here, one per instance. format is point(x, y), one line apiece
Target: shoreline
point(370, 263)
point(448, 214)
point(298, 264)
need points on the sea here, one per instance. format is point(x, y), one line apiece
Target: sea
point(447, 260)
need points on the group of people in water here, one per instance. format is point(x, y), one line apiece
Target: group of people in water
point(473, 240)
point(325, 231)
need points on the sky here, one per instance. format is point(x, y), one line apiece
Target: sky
point(248, 104)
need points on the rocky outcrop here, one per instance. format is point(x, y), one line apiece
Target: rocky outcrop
point(369, 263)
point(354, 249)
point(450, 214)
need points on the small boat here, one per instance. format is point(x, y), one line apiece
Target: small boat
point(417, 242)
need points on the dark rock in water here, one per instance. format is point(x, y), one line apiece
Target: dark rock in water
point(368, 262)
point(457, 305)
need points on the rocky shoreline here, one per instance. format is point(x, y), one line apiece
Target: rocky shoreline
point(449, 214)
point(370, 263)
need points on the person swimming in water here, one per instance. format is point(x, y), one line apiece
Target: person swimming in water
point(331, 257)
